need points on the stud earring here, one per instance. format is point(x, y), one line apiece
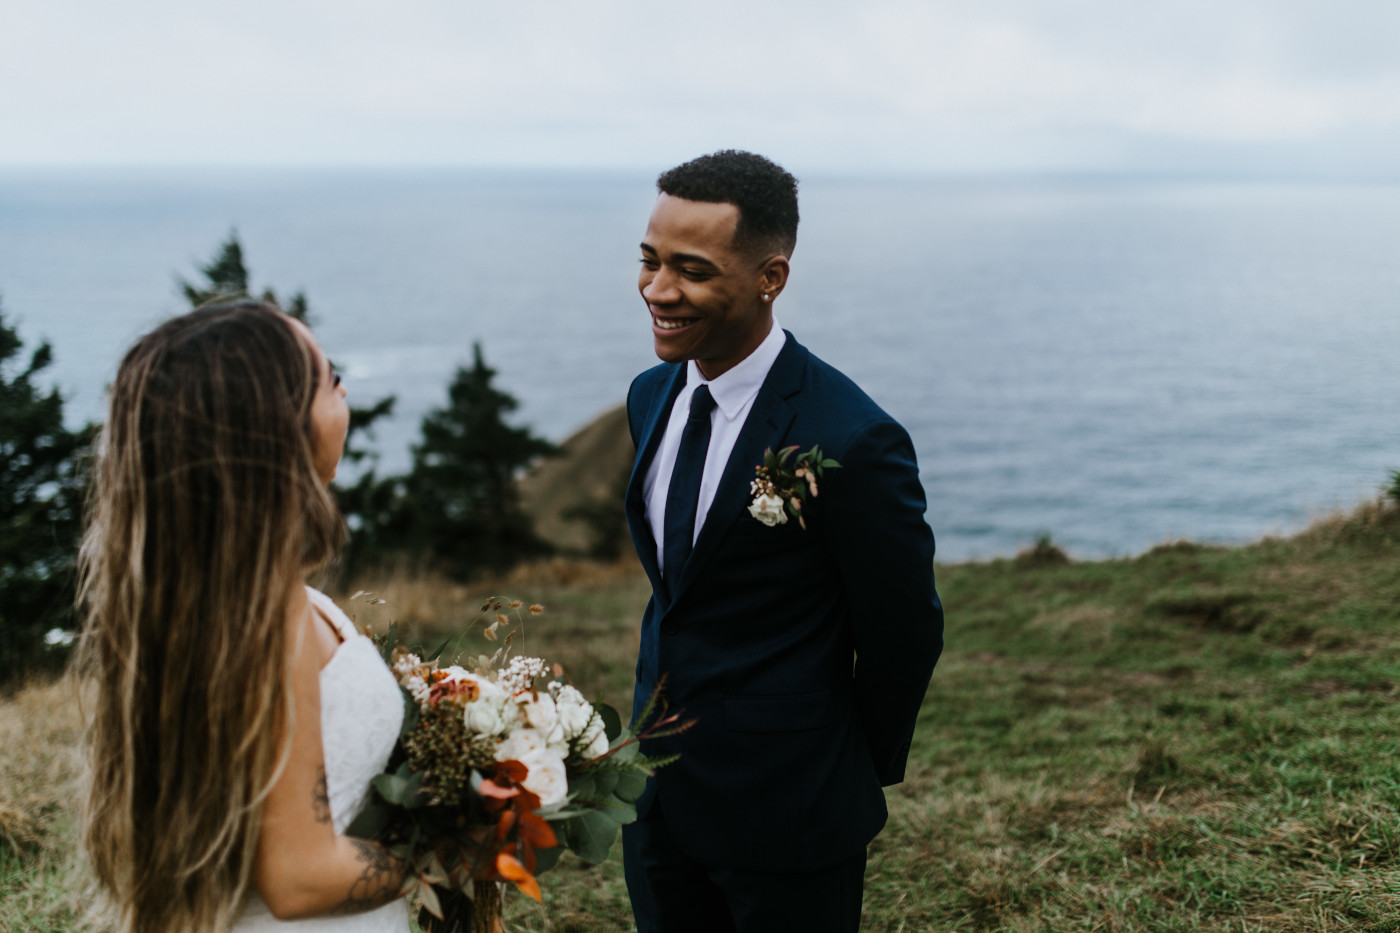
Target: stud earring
point(765, 296)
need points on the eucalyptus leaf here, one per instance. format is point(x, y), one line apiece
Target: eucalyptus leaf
point(545, 859)
point(591, 835)
point(612, 722)
point(630, 785)
point(584, 784)
point(400, 788)
point(604, 781)
point(372, 820)
point(624, 813)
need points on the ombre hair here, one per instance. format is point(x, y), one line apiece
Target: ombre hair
point(205, 515)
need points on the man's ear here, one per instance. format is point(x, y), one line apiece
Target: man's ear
point(773, 276)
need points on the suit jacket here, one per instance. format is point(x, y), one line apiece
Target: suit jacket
point(804, 655)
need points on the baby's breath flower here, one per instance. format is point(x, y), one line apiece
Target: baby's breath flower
point(405, 663)
point(418, 688)
point(520, 674)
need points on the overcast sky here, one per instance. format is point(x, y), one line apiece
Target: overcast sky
point(1234, 86)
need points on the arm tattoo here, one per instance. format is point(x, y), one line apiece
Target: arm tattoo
point(321, 798)
point(377, 885)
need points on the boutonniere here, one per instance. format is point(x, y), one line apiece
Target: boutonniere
point(782, 488)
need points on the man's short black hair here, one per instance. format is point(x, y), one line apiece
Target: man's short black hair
point(765, 195)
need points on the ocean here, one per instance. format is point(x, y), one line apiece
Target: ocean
point(1113, 362)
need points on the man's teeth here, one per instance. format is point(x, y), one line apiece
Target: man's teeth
point(670, 325)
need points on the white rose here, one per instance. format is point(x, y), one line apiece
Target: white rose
point(564, 693)
point(540, 711)
point(599, 745)
point(769, 510)
point(555, 742)
point(489, 690)
point(483, 716)
point(520, 745)
point(513, 715)
point(547, 778)
point(456, 673)
point(574, 716)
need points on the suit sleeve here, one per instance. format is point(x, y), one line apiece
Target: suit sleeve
point(875, 526)
point(632, 416)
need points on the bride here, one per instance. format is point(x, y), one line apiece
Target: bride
point(238, 717)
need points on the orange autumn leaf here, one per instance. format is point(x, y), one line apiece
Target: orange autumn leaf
point(505, 825)
point(512, 870)
point(492, 789)
point(536, 832)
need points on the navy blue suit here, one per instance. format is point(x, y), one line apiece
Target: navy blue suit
point(803, 654)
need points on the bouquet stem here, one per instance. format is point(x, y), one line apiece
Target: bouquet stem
point(486, 916)
point(480, 913)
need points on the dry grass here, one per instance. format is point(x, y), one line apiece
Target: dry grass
point(39, 730)
point(590, 623)
point(41, 875)
point(1196, 739)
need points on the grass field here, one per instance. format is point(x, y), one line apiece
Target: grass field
point(1198, 738)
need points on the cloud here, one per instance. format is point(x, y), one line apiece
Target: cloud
point(887, 83)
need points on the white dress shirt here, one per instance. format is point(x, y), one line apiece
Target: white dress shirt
point(734, 393)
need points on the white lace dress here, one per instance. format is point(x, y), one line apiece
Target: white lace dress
point(361, 712)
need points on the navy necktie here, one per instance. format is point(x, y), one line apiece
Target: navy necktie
point(683, 494)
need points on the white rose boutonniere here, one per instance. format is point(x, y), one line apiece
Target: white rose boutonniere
point(780, 490)
point(768, 509)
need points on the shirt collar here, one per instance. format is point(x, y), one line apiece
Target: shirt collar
point(735, 388)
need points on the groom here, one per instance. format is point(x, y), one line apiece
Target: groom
point(802, 652)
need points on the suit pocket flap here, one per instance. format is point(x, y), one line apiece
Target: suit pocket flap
point(790, 713)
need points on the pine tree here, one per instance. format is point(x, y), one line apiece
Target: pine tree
point(459, 503)
point(364, 503)
point(226, 277)
point(41, 493)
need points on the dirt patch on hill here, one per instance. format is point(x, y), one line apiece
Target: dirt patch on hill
point(575, 499)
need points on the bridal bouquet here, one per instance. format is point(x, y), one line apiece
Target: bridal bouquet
point(501, 764)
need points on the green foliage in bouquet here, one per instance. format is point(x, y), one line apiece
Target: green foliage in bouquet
point(498, 770)
point(780, 489)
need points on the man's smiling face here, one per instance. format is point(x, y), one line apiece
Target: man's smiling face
point(705, 297)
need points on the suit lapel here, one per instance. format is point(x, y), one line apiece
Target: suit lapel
point(765, 427)
point(654, 428)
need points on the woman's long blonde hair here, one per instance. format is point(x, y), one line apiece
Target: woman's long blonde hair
point(205, 514)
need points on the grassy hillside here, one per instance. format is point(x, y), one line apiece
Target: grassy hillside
point(1194, 739)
